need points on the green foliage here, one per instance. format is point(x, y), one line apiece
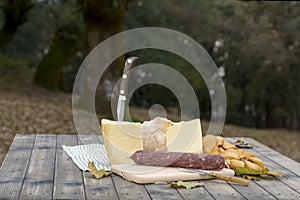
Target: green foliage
point(256, 43)
point(12, 70)
point(15, 13)
point(259, 51)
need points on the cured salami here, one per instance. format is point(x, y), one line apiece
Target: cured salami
point(178, 159)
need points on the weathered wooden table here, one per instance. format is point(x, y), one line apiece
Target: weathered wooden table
point(37, 168)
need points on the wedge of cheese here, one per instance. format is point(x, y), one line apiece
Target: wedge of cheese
point(122, 139)
point(185, 137)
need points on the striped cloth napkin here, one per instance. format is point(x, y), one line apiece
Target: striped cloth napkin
point(82, 154)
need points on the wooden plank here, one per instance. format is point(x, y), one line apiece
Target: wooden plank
point(68, 181)
point(10, 189)
point(282, 160)
point(87, 139)
point(97, 188)
point(199, 193)
point(280, 187)
point(155, 191)
point(129, 190)
point(222, 190)
point(252, 191)
point(22, 142)
point(162, 191)
point(291, 182)
point(13, 169)
point(165, 192)
point(38, 178)
point(100, 139)
point(17, 157)
point(38, 182)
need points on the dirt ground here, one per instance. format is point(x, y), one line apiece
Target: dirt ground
point(32, 110)
point(35, 111)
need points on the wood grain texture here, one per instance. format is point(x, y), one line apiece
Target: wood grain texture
point(157, 191)
point(129, 190)
point(200, 193)
point(88, 139)
point(126, 189)
point(291, 183)
point(38, 182)
point(253, 191)
point(13, 169)
point(222, 190)
point(100, 139)
point(37, 168)
point(68, 182)
point(15, 163)
point(22, 142)
point(280, 159)
point(279, 187)
point(97, 188)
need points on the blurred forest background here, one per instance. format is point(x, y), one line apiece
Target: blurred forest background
point(255, 45)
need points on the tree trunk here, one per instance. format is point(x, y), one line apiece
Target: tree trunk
point(66, 42)
point(103, 19)
point(6, 35)
point(49, 73)
point(15, 14)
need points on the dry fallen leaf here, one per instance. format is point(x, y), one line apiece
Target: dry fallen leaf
point(187, 185)
point(97, 173)
point(240, 143)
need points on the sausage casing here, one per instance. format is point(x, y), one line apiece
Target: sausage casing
point(179, 159)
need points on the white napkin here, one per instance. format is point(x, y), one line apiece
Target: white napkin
point(82, 154)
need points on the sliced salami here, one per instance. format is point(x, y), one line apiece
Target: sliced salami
point(178, 159)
